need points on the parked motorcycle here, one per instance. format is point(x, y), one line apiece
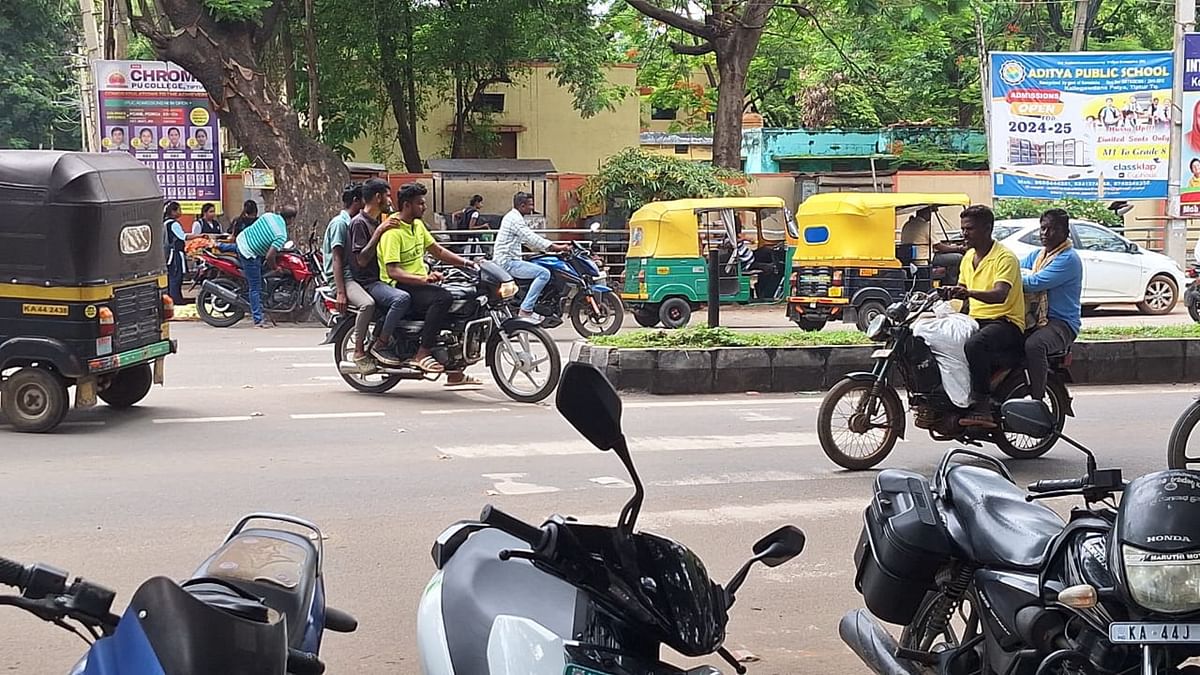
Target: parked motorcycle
point(522, 357)
point(255, 607)
point(1111, 591)
point(224, 297)
point(576, 289)
point(512, 598)
point(872, 418)
point(1191, 295)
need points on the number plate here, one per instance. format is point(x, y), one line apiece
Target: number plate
point(1155, 633)
point(881, 353)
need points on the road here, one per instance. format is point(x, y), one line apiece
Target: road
point(257, 420)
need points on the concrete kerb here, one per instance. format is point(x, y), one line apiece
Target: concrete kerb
point(725, 370)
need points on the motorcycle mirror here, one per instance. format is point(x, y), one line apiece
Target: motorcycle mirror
point(589, 402)
point(780, 546)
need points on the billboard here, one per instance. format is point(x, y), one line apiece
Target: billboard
point(1085, 125)
point(1189, 149)
point(161, 115)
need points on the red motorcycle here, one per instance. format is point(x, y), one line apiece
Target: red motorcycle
point(289, 288)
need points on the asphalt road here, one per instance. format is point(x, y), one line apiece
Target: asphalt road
point(258, 420)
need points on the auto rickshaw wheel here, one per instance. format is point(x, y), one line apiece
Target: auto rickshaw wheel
point(35, 400)
point(675, 313)
point(867, 313)
point(647, 316)
point(811, 324)
point(128, 386)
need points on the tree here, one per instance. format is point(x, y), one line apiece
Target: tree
point(39, 95)
point(730, 30)
point(221, 43)
point(633, 178)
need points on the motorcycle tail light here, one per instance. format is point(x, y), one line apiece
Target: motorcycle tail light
point(108, 324)
point(168, 306)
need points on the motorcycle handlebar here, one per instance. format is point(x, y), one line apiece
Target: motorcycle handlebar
point(13, 573)
point(1058, 485)
point(494, 517)
point(304, 663)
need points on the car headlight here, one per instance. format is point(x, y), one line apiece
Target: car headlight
point(1162, 582)
point(877, 329)
point(508, 289)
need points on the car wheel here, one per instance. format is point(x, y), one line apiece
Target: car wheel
point(1162, 294)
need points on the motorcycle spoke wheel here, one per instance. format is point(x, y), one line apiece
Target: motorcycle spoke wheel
point(371, 383)
point(856, 427)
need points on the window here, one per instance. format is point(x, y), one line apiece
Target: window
point(663, 113)
point(1092, 238)
point(682, 149)
point(1034, 238)
point(491, 103)
point(1002, 232)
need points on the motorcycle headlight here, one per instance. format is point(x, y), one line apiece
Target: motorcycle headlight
point(1162, 582)
point(877, 329)
point(507, 289)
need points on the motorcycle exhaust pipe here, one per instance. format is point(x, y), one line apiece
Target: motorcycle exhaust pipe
point(872, 643)
point(227, 295)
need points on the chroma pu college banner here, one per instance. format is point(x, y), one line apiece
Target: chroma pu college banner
point(158, 112)
point(1189, 155)
point(1084, 125)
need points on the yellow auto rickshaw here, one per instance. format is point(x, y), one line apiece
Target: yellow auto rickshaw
point(82, 286)
point(857, 252)
point(666, 268)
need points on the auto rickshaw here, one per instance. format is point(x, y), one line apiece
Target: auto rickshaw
point(82, 287)
point(666, 268)
point(850, 263)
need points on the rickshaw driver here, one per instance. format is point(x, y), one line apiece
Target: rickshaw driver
point(917, 231)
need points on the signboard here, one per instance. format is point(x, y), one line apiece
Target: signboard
point(1189, 149)
point(1084, 125)
point(161, 115)
point(258, 179)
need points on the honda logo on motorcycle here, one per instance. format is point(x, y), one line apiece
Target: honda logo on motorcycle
point(136, 239)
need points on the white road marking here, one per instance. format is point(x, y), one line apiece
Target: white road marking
point(732, 403)
point(462, 411)
point(648, 444)
point(323, 348)
point(202, 420)
point(304, 384)
point(751, 416)
point(505, 485)
point(1119, 391)
point(336, 416)
point(329, 364)
point(610, 482)
point(738, 479)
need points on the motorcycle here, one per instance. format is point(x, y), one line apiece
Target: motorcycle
point(522, 357)
point(513, 598)
point(576, 289)
point(1191, 295)
point(875, 418)
point(255, 607)
point(224, 297)
point(1112, 590)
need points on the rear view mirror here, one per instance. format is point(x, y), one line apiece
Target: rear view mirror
point(1031, 418)
point(588, 401)
point(780, 546)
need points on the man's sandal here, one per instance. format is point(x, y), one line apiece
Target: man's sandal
point(428, 365)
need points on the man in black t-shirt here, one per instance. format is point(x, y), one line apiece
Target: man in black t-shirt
point(365, 232)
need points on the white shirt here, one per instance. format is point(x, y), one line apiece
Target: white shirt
point(515, 233)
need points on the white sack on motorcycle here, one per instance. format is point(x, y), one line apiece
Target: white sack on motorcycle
point(946, 334)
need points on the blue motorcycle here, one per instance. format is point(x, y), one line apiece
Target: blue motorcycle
point(255, 607)
point(576, 288)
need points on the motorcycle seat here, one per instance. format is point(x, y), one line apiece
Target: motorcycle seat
point(999, 526)
point(279, 567)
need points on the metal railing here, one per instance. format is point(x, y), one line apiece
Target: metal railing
point(610, 246)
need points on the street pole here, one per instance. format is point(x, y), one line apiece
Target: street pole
point(1176, 235)
point(87, 90)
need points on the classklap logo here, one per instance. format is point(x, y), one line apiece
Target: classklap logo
point(1012, 72)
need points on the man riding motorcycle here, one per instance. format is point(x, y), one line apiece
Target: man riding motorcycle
point(994, 296)
point(1053, 283)
point(514, 234)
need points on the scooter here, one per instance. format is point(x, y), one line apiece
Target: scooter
point(255, 607)
point(565, 598)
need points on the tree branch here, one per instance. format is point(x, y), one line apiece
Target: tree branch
point(266, 29)
point(683, 23)
point(693, 50)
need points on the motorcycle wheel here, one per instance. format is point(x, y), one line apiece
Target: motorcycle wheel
point(1181, 433)
point(323, 313)
point(525, 363)
point(372, 383)
point(920, 636)
point(215, 311)
point(1019, 446)
point(1194, 309)
point(608, 322)
point(860, 442)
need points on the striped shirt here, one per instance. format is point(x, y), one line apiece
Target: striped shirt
point(514, 232)
point(269, 231)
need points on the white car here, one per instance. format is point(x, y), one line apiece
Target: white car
point(1115, 270)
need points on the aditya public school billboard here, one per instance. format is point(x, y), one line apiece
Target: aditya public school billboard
point(160, 114)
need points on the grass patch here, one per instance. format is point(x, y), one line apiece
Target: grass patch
point(702, 337)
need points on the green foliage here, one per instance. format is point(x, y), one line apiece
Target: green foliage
point(39, 98)
point(634, 178)
point(1180, 331)
point(930, 156)
point(237, 10)
point(1083, 209)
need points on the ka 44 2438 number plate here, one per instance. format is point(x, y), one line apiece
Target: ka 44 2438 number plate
point(1155, 633)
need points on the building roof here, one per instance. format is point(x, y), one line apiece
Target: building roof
point(492, 169)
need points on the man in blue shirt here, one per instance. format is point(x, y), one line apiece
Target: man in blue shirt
point(1053, 281)
point(257, 245)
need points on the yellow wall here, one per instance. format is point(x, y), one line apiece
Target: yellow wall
point(552, 128)
point(696, 153)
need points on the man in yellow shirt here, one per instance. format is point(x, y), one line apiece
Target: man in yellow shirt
point(994, 296)
point(401, 253)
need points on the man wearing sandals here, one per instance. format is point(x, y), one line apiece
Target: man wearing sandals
point(1053, 277)
point(993, 295)
point(402, 263)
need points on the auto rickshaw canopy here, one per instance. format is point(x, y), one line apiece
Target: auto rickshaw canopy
point(859, 228)
point(672, 229)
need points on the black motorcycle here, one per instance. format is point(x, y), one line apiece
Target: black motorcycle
point(870, 417)
point(522, 357)
point(1191, 295)
point(987, 582)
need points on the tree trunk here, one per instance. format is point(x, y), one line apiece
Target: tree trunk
point(222, 56)
point(461, 110)
point(1079, 29)
point(310, 53)
point(401, 89)
point(733, 63)
point(288, 59)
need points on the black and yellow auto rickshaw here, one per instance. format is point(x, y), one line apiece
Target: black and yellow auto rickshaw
point(851, 261)
point(82, 287)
